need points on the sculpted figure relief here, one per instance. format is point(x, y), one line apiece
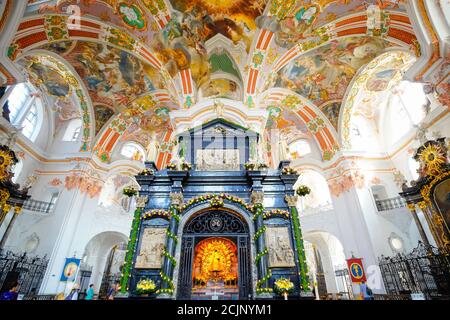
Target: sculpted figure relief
point(280, 250)
point(217, 159)
point(152, 247)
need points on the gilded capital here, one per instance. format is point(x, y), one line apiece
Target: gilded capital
point(291, 200)
point(176, 198)
point(6, 208)
point(411, 207)
point(257, 197)
point(141, 201)
point(17, 210)
point(422, 205)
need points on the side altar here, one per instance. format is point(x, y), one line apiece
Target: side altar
point(216, 224)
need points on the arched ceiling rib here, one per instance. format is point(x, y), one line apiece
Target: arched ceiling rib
point(140, 60)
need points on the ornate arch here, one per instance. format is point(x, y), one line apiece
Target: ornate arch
point(357, 87)
point(74, 80)
point(317, 123)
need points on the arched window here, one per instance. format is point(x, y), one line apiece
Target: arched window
point(407, 108)
point(413, 167)
point(299, 148)
point(17, 169)
point(25, 109)
point(133, 151)
point(73, 130)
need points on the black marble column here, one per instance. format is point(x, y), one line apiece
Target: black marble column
point(176, 200)
point(257, 198)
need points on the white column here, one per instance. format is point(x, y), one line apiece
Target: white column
point(354, 233)
point(74, 203)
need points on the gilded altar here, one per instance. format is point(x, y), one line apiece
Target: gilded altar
point(431, 192)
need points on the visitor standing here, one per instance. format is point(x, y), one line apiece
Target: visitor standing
point(73, 295)
point(12, 293)
point(113, 291)
point(366, 292)
point(90, 292)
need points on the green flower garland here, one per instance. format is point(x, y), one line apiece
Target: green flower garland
point(130, 251)
point(170, 257)
point(166, 278)
point(260, 282)
point(221, 196)
point(174, 212)
point(300, 250)
point(258, 210)
point(162, 291)
point(276, 212)
point(261, 254)
point(259, 233)
point(171, 235)
point(156, 213)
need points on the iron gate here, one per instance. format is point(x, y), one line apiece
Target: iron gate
point(27, 270)
point(215, 223)
point(425, 270)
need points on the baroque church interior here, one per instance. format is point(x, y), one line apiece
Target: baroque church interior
point(224, 150)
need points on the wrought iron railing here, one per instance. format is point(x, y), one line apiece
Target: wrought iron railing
point(391, 203)
point(39, 206)
point(425, 270)
point(27, 270)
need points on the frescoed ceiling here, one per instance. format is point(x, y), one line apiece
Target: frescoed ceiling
point(141, 59)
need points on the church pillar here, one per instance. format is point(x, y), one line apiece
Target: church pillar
point(257, 198)
point(299, 248)
point(75, 207)
point(355, 237)
point(131, 247)
point(176, 201)
point(167, 287)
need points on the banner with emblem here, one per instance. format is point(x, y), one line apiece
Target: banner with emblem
point(70, 269)
point(356, 270)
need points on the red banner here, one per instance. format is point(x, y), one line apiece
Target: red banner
point(356, 270)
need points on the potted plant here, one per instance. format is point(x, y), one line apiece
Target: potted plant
point(249, 166)
point(172, 166)
point(130, 191)
point(288, 170)
point(303, 190)
point(186, 166)
point(283, 287)
point(146, 172)
point(145, 287)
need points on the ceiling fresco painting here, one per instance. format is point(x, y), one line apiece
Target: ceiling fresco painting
point(324, 73)
point(102, 115)
point(222, 88)
point(136, 58)
point(113, 76)
point(47, 76)
point(235, 19)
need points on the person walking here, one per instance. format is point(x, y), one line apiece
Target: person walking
point(113, 291)
point(90, 292)
point(12, 293)
point(73, 295)
point(366, 292)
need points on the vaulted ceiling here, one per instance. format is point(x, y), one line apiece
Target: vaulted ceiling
point(137, 61)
